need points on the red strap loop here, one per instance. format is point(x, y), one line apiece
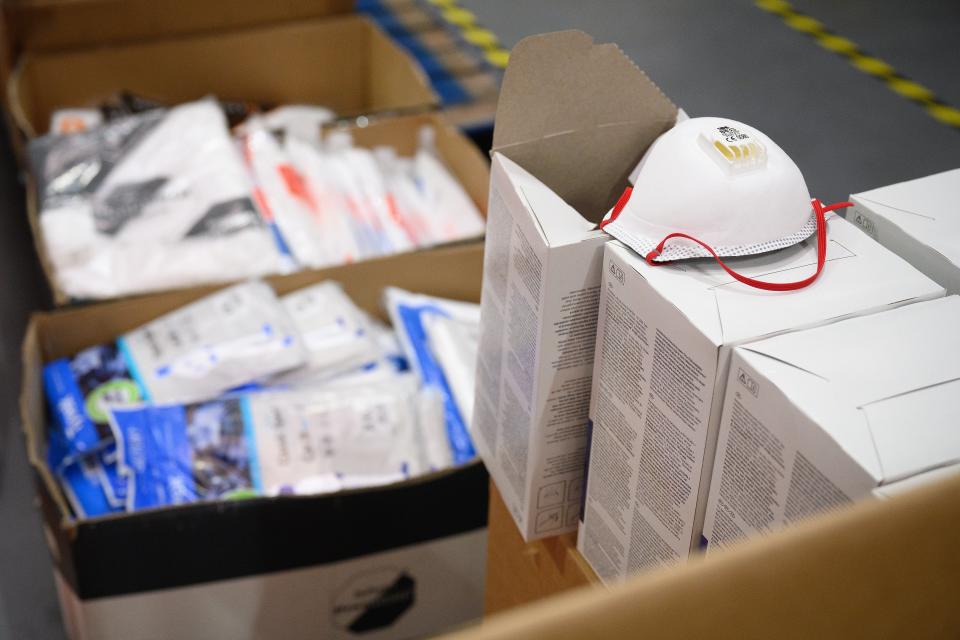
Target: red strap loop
point(617, 208)
point(820, 211)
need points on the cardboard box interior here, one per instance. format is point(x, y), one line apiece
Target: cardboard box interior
point(57, 24)
point(452, 272)
point(344, 63)
point(878, 569)
point(458, 153)
point(518, 572)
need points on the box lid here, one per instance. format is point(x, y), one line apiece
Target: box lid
point(879, 385)
point(926, 208)
point(860, 276)
point(578, 116)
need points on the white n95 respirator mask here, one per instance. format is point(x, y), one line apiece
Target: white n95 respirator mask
point(713, 187)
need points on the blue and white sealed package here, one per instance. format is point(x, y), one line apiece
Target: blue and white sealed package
point(409, 313)
point(82, 482)
point(271, 443)
point(236, 336)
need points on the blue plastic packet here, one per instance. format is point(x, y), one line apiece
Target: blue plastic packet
point(407, 311)
point(165, 468)
point(82, 485)
point(79, 389)
point(233, 337)
point(114, 483)
point(270, 443)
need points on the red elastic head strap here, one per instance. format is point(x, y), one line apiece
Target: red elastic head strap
point(820, 211)
point(617, 208)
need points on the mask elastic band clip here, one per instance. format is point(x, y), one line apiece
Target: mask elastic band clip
point(820, 211)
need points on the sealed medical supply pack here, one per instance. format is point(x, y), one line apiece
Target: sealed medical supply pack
point(335, 202)
point(270, 443)
point(239, 335)
point(152, 201)
point(338, 336)
point(411, 314)
point(573, 119)
point(664, 342)
point(817, 419)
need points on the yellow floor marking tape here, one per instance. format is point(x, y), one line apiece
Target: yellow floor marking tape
point(883, 71)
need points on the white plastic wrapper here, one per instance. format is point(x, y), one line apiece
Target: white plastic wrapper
point(362, 436)
point(230, 338)
point(337, 335)
point(450, 213)
point(455, 342)
point(411, 314)
point(286, 199)
point(149, 202)
point(337, 231)
point(295, 120)
point(74, 120)
point(336, 203)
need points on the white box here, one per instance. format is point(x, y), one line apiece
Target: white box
point(919, 220)
point(573, 120)
point(817, 419)
point(664, 339)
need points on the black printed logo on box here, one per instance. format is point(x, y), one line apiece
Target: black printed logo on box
point(550, 495)
point(617, 272)
point(748, 382)
point(373, 600)
point(548, 520)
point(866, 224)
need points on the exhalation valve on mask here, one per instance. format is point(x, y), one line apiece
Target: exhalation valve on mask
point(714, 187)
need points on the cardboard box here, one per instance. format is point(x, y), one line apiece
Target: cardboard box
point(37, 25)
point(344, 63)
point(919, 221)
point(458, 153)
point(405, 560)
point(664, 339)
point(817, 419)
point(518, 572)
point(572, 121)
point(881, 569)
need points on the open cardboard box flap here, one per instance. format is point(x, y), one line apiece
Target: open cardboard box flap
point(578, 116)
point(882, 568)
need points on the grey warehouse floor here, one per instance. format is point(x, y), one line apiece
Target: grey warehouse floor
point(846, 130)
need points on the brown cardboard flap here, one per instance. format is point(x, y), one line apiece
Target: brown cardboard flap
point(36, 25)
point(578, 116)
point(881, 569)
point(346, 64)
